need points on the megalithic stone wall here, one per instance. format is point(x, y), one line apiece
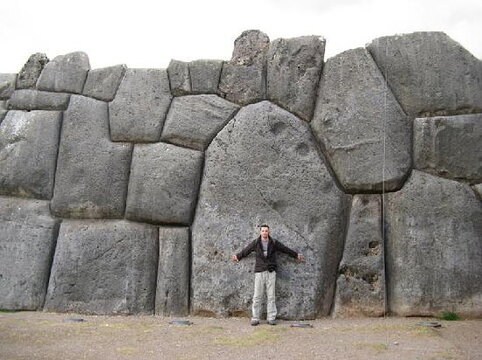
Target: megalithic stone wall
point(125, 191)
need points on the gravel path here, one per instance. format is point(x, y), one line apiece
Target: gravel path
point(40, 335)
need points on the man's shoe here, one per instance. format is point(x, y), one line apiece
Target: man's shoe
point(254, 322)
point(272, 322)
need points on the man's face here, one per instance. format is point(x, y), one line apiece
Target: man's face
point(264, 232)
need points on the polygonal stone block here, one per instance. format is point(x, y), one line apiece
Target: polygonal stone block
point(27, 243)
point(163, 184)
point(29, 99)
point(103, 83)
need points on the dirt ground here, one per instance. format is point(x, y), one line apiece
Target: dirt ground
point(40, 335)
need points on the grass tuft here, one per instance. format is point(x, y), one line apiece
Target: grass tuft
point(449, 316)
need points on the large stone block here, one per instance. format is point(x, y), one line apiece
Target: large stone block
point(243, 79)
point(429, 73)
point(102, 84)
point(29, 99)
point(28, 76)
point(92, 172)
point(450, 147)
point(264, 167)
point(104, 267)
point(27, 243)
point(179, 77)
point(172, 295)
point(28, 153)
point(434, 248)
point(205, 76)
point(65, 73)
point(3, 110)
point(193, 121)
point(366, 135)
point(164, 183)
point(138, 111)
point(294, 68)
point(360, 288)
point(7, 85)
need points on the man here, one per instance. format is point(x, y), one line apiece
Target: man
point(265, 271)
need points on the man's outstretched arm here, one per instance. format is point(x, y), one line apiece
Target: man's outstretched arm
point(245, 252)
point(285, 249)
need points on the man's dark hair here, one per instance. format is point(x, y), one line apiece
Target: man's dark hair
point(264, 225)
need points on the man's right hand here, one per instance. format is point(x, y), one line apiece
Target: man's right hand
point(234, 258)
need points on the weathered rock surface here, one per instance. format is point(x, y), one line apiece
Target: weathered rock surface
point(193, 121)
point(172, 295)
point(250, 48)
point(138, 111)
point(179, 77)
point(478, 190)
point(360, 288)
point(7, 85)
point(364, 131)
point(28, 76)
point(243, 79)
point(205, 76)
point(27, 243)
point(65, 73)
point(434, 248)
point(29, 99)
point(429, 73)
point(264, 167)
point(92, 172)
point(3, 110)
point(450, 147)
point(102, 84)
point(104, 267)
point(163, 184)
point(28, 153)
point(294, 68)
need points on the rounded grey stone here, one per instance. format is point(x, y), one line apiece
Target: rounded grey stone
point(450, 146)
point(429, 73)
point(360, 288)
point(250, 48)
point(92, 172)
point(172, 294)
point(294, 68)
point(65, 73)
point(102, 84)
point(28, 76)
point(104, 267)
point(264, 167)
point(163, 184)
point(365, 133)
point(140, 106)
point(29, 99)
point(27, 242)
point(28, 153)
point(194, 120)
point(434, 248)
point(7, 85)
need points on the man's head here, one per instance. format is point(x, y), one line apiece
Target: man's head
point(264, 231)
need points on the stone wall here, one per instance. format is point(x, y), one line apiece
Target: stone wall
point(125, 191)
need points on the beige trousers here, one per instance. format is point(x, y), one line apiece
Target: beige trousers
point(264, 281)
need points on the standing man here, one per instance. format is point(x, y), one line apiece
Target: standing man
point(265, 271)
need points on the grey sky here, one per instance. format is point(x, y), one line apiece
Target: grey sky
point(147, 34)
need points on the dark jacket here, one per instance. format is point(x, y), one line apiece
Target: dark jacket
point(269, 262)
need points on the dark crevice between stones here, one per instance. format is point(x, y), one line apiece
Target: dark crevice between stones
point(383, 228)
point(190, 267)
point(164, 120)
point(156, 272)
point(124, 71)
point(62, 115)
point(348, 210)
point(55, 237)
point(129, 171)
point(231, 117)
point(218, 91)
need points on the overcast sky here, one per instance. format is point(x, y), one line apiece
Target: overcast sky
point(147, 34)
